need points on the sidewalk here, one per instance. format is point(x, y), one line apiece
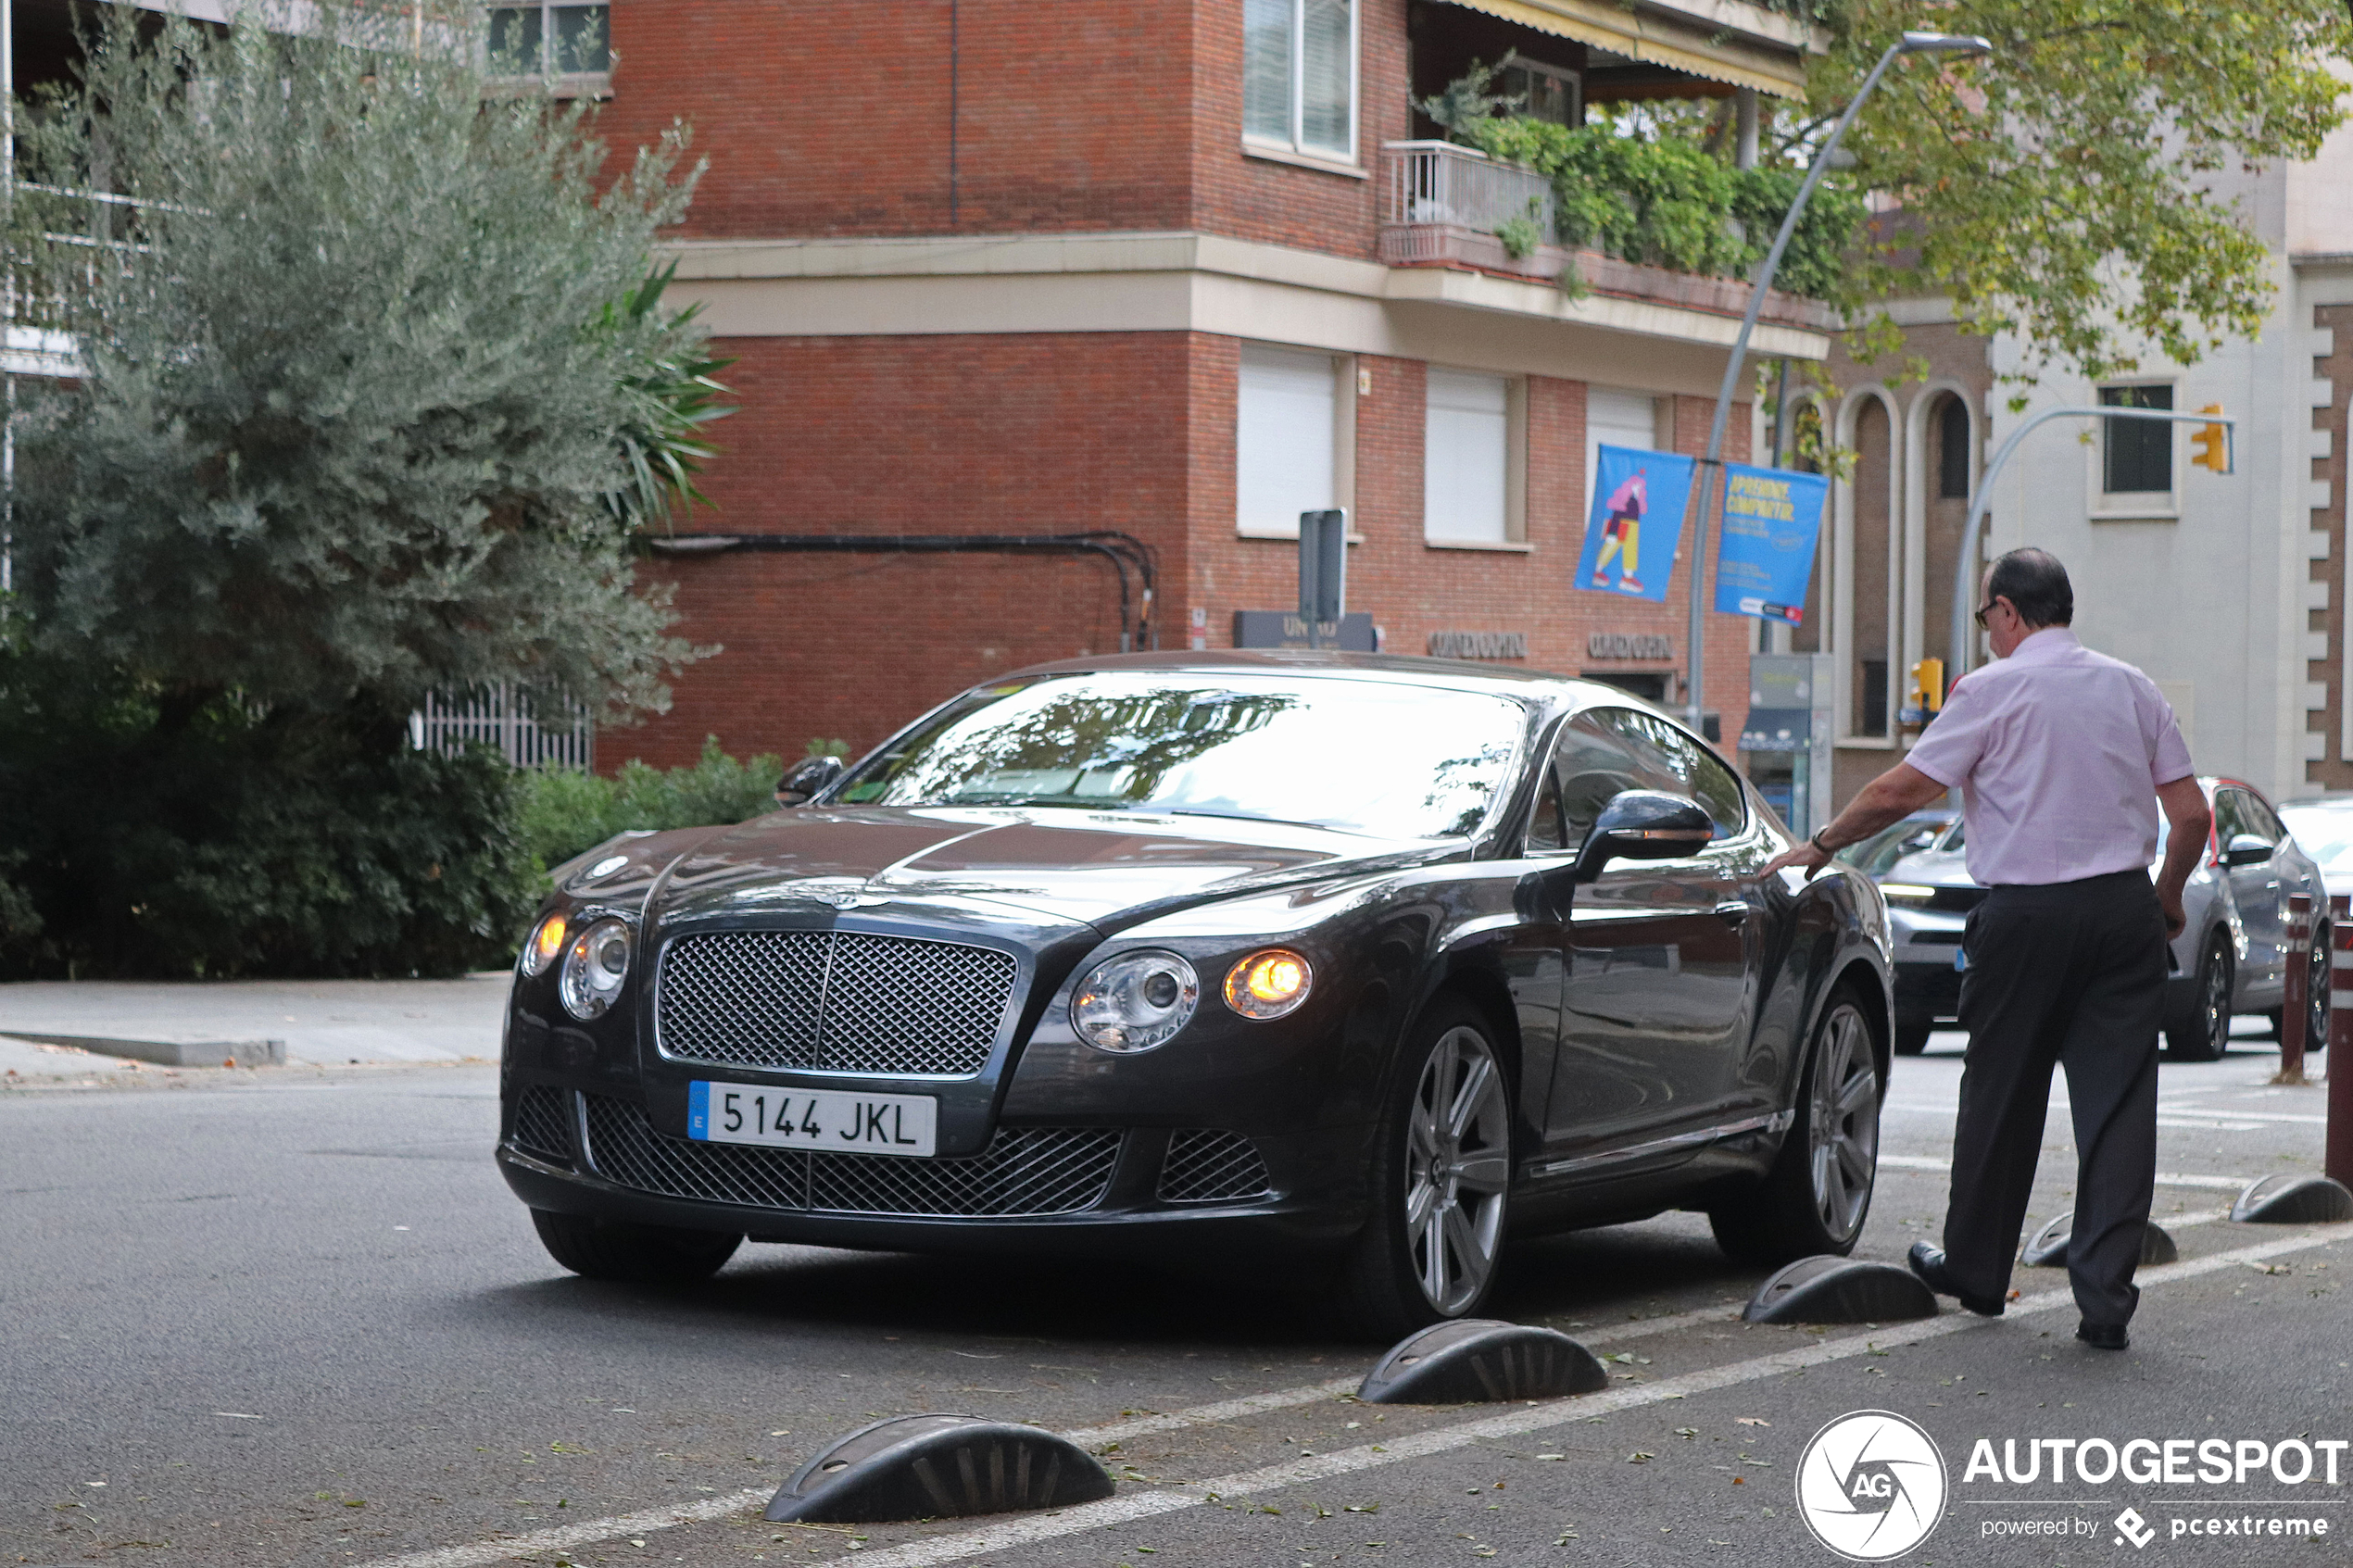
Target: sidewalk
point(250, 1022)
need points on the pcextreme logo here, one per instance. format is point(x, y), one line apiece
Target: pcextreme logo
point(1870, 1485)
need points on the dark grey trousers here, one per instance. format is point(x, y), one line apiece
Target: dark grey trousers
point(2071, 974)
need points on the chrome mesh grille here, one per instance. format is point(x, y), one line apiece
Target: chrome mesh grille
point(1023, 1171)
point(543, 1123)
point(841, 1001)
point(1205, 1165)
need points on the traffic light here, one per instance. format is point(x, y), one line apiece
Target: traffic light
point(1924, 699)
point(2213, 444)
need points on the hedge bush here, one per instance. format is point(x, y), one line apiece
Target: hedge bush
point(565, 810)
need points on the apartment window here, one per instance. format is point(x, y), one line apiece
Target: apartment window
point(1286, 439)
point(1952, 450)
point(1470, 494)
point(2137, 454)
point(1871, 711)
point(1298, 75)
point(551, 38)
point(1615, 418)
point(1545, 93)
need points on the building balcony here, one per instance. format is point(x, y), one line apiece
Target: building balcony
point(1444, 204)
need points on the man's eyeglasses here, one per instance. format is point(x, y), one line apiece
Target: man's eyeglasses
point(1983, 611)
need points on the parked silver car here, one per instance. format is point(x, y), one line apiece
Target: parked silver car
point(2323, 829)
point(2231, 957)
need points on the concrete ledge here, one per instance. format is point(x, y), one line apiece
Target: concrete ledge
point(170, 1053)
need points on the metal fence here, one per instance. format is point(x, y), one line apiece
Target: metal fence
point(1438, 182)
point(531, 732)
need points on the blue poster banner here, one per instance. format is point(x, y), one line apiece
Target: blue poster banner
point(1765, 557)
point(1639, 499)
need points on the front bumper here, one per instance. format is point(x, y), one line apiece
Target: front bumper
point(1138, 1192)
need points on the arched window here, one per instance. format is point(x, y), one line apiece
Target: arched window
point(1953, 466)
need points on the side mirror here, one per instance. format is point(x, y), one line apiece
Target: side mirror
point(808, 779)
point(2245, 849)
point(1644, 824)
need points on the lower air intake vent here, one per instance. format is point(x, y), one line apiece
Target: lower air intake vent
point(1023, 1171)
point(1204, 1165)
point(543, 1123)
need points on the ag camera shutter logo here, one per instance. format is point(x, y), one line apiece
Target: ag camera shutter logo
point(1870, 1485)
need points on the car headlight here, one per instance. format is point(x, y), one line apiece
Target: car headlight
point(594, 967)
point(1906, 893)
point(1134, 1001)
point(1268, 985)
point(546, 943)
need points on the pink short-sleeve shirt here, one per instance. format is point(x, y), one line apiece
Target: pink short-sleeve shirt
point(2059, 752)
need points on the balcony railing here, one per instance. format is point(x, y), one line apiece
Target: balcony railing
point(1437, 185)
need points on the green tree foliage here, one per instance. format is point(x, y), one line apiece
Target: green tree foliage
point(565, 810)
point(377, 391)
point(1668, 202)
point(2077, 187)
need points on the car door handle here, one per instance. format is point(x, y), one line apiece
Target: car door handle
point(1732, 913)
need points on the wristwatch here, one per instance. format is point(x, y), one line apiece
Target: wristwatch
point(1816, 840)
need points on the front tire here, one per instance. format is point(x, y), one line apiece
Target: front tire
point(1818, 1193)
point(1441, 1182)
point(2199, 1028)
point(636, 1254)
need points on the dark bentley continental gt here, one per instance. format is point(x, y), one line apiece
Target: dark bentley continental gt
point(1348, 962)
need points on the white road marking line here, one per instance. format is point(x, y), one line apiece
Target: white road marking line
point(478, 1554)
point(1308, 1394)
point(1031, 1528)
point(2164, 1178)
point(2234, 1115)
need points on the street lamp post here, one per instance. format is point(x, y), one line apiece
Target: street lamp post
point(1965, 564)
point(1910, 44)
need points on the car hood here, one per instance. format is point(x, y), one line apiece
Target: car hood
point(1048, 867)
point(1931, 868)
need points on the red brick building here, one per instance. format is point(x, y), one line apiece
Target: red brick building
point(1154, 268)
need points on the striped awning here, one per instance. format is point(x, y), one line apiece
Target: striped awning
point(1695, 47)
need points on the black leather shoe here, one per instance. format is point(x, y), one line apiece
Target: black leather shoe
point(2102, 1336)
point(1928, 1262)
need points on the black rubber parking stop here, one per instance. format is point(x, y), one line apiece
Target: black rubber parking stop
point(1833, 1289)
point(937, 1467)
point(2048, 1249)
point(2287, 1199)
point(1473, 1360)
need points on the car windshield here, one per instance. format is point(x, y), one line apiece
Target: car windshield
point(2326, 833)
point(1366, 757)
point(1874, 855)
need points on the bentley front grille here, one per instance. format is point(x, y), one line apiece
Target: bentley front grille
point(837, 1001)
point(1204, 1165)
point(543, 1123)
point(1024, 1172)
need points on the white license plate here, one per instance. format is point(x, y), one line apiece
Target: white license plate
point(842, 1120)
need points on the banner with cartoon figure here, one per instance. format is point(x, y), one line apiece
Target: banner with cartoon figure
point(1771, 518)
point(1639, 498)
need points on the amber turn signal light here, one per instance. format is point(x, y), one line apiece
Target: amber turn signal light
point(545, 943)
point(1269, 984)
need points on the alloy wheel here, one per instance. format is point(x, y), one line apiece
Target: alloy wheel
point(1842, 1124)
point(2316, 992)
point(2214, 1000)
point(1457, 1167)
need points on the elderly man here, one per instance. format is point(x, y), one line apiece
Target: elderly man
point(2064, 758)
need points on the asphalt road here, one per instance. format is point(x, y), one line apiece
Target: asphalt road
point(292, 1317)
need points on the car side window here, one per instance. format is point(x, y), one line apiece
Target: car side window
point(1592, 764)
point(1671, 759)
point(1546, 833)
point(2260, 819)
point(2230, 819)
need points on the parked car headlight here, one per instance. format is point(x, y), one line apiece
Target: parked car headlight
point(594, 967)
point(546, 944)
point(1134, 1001)
point(1268, 985)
